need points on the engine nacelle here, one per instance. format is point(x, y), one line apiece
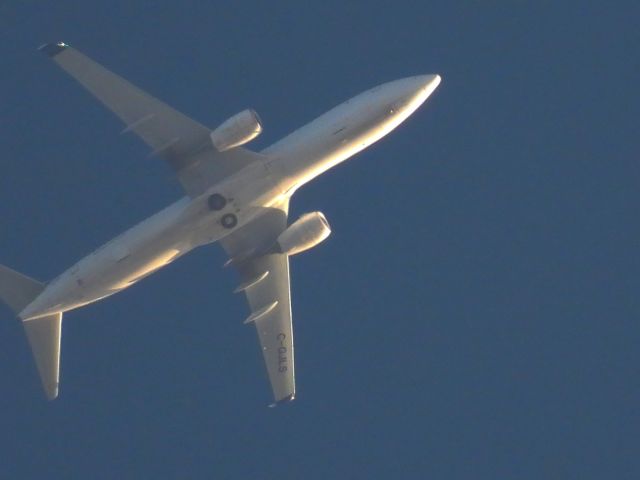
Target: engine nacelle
point(306, 232)
point(238, 130)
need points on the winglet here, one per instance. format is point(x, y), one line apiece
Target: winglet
point(287, 399)
point(52, 49)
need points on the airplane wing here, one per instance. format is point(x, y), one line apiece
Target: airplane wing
point(184, 143)
point(265, 282)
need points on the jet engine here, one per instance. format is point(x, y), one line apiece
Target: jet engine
point(238, 130)
point(306, 232)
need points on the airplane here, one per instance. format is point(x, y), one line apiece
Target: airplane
point(233, 195)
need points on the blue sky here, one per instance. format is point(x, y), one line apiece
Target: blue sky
point(474, 313)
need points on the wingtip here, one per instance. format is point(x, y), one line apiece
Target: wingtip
point(52, 391)
point(287, 399)
point(52, 49)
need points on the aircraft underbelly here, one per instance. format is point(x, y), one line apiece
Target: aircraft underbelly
point(145, 249)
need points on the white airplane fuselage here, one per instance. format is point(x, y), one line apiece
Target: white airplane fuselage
point(188, 223)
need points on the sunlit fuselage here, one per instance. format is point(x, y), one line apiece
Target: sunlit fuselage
point(188, 223)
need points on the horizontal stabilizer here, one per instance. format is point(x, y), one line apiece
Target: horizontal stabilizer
point(44, 338)
point(17, 290)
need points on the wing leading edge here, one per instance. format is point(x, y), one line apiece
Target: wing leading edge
point(184, 143)
point(265, 283)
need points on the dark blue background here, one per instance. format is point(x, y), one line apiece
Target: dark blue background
point(473, 315)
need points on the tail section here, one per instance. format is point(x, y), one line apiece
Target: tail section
point(44, 337)
point(18, 291)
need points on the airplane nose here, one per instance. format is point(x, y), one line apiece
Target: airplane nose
point(429, 82)
point(413, 91)
point(424, 85)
